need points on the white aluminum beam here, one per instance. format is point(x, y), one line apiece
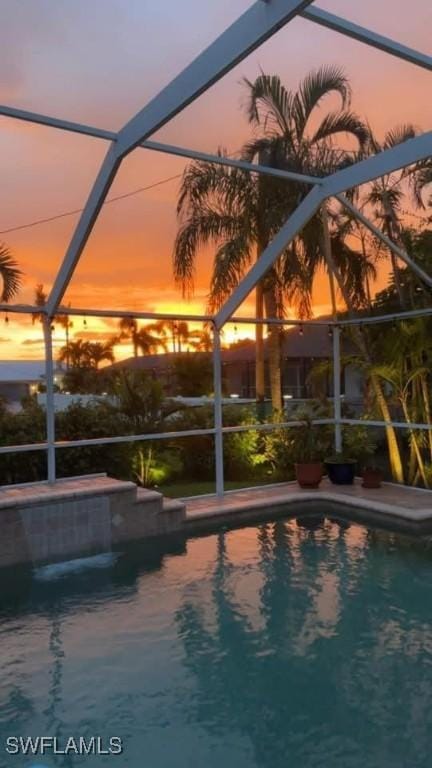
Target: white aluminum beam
point(363, 35)
point(50, 408)
point(205, 157)
point(84, 227)
point(217, 413)
point(254, 27)
point(155, 146)
point(55, 122)
point(381, 164)
point(410, 314)
point(80, 312)
point(290, 229)
point(386, 240)
point(337, 402)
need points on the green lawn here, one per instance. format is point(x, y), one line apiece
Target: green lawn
point(180, 490)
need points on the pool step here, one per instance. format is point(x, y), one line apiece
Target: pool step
point(151, 515)
point(80, 517)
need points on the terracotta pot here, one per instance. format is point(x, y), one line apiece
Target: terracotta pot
point(372, 477)
point(309, 475)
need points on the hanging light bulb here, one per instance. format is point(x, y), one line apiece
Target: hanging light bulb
point(330, 331)
point(85, 323)
point(6, 318)
point(301, 331)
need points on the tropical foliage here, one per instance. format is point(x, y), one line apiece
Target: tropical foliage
point(239, 214)
point(10, 274)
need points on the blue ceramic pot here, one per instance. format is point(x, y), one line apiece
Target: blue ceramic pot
point(341, 474)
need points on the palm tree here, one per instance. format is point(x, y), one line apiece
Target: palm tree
point(285, 118)
point(128, 329)
point(76, 352)
point(10, 274)
point(150, 338)
point(201, 341)
point(291, 139)
point(183, 333)
point(240, 214)
point(98, 351)
point(146, 339)
point(87, 354)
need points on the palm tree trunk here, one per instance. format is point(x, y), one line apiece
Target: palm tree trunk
point(274, 350)
point(363, 250)
point(412, 466)
point(327, 250)
point(135, 343)
point(392, 233)
point(414, 442)
point(67, 344)
point(392, 443)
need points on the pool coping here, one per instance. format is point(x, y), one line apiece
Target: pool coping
point(350, 502)
point(37, 494)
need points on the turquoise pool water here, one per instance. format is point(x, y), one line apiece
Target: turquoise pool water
point(285, 644)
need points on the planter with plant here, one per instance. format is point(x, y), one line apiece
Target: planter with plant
point(341, 468)
point(358, 446)
point(372, 476)
point(308, 452)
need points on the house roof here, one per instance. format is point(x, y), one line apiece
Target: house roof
point(313, 342)
point(22, 371)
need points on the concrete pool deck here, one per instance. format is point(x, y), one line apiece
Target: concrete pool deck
point(393, 504)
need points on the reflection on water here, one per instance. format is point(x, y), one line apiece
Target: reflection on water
point(304, 643)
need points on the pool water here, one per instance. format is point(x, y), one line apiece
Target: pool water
point(304, 644)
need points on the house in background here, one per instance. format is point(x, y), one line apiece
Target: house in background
point(302, 349)
point(20, 378)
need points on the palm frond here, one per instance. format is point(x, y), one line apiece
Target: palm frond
point(398, 135)
point(317, 85)
point(296, 280)
point(269, 104)
point(355, 270)
point(347, 122)
point(199, 181)
point(230, 263)
point(10, 273)
point(203, 227)
point(421, 182)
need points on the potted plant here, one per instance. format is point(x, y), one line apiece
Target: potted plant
point(358, 446)
point(307, 452)
point(372, 476)
point(341, 468)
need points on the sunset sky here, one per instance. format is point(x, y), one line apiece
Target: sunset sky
point(100, 61)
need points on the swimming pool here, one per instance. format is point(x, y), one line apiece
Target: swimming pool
point(304, 644)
